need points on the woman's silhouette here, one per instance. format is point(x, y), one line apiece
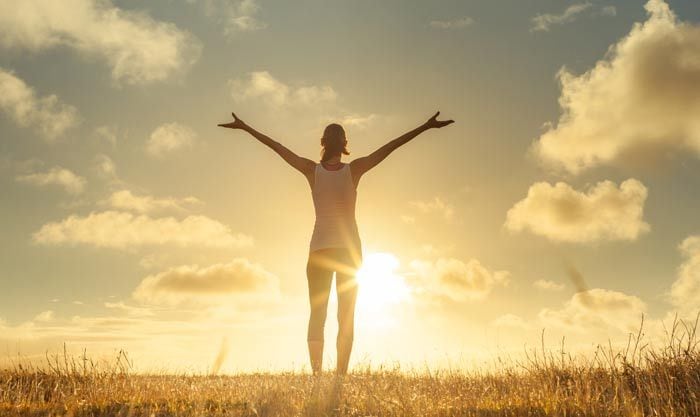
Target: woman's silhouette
point(335, 243)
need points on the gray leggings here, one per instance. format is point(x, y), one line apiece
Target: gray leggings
point(319, 272)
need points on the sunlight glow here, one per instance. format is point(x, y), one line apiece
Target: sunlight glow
point(380, 285)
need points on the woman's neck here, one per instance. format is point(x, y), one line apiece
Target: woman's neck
point(333, 161)
point(332, 164)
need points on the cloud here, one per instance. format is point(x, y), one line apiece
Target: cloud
point(349, 119)
point(261, 85)
point(244, 24)
point(637, 105)
point(543, 22)
point(196, 326)
point(685, 291)
point(452, 23)
point(357, 120)
point(453, 279)
point(121, 230)
point(548, 285)
point(63, 177)
point(240, 17)
point(138, 48)
point(106, 170)
point(596, 309)
point(126, 200)
point(130, 310)
point(310, 95)
point(436, 205)
point(561, 213)
point(235, 16)
point(107, 133)
point(47, 115)
point(608, 11)
point(105, 167)
point(44, 316)
point(169, 137)
point(211, 284)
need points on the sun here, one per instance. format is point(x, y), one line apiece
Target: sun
point(380, 285)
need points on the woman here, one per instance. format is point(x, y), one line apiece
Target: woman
point(335, 243)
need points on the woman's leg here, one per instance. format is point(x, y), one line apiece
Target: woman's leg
point(319, 277)
point(346, 286)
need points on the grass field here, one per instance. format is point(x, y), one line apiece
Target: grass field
point(635, 381)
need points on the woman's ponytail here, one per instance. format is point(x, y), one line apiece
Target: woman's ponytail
point(333, 142)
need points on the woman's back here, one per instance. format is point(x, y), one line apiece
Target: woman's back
point(334, 194)
point(334, 197)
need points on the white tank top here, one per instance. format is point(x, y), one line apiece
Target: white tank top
point(334, 196)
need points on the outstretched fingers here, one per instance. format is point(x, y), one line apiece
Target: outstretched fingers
point(236, 123)
point(434, 122)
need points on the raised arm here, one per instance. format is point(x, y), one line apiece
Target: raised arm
point(303, 165)
point(361, 165)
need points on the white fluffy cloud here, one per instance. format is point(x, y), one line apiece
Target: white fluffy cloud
point(62, 177)
point(261, 85)
point(596, 309)
point(121, 230)
point(169, 137)
point(47, 115)
point(452, 23)
point(138, 48)
point(685, 291)
point(219, 282)
point(126, 200)
point(638, 104)
point(454, 279)
point(561, 213)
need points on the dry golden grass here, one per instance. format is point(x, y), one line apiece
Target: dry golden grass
point(637, 381)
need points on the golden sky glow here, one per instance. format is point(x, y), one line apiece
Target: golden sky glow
point(563, 198)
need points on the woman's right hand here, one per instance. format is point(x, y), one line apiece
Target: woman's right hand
point(235, 124)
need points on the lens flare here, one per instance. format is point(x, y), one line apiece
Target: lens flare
point(380, 285)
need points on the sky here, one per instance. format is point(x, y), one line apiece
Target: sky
point(562, 200)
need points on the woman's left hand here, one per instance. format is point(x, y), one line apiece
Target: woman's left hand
point(433, 122)
point(236, 124)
